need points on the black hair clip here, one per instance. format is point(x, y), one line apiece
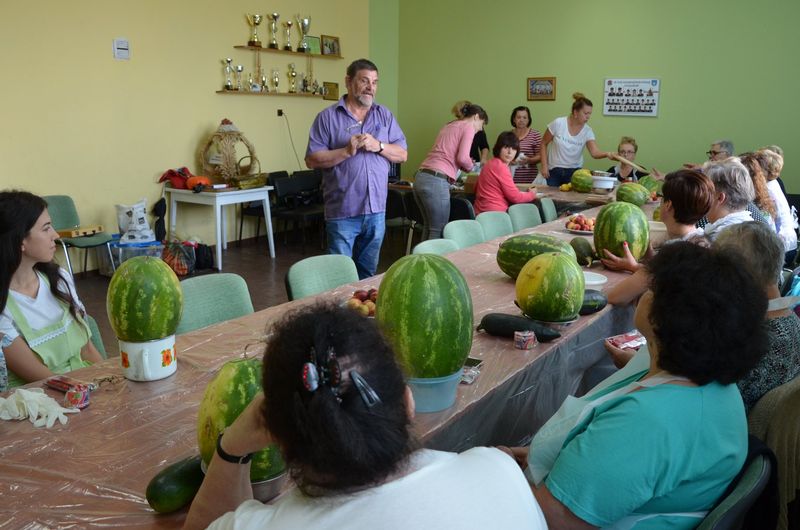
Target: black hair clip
point(368, 395)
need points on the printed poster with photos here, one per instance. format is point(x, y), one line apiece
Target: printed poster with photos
point(631, 97)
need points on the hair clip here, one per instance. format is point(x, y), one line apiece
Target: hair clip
point(368, 395)
point(310, 377)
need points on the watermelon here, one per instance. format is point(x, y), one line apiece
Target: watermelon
point(584, 252)
point(515, 251)
point(657, 213)
point(144, 300)
point(619, 222)
point(226, 396)
point(550, 287)
point(582, 181)
point(652, 184)
point(633, 193)
point(425, 311)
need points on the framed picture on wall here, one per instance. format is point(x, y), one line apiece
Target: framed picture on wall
point(330, 46)
point(330, 90)
point(541, 88)
point(313, 45)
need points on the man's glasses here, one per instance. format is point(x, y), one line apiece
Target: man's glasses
point(712, 154)
point(624, 152)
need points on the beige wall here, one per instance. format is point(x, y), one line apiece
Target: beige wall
point(76, 121)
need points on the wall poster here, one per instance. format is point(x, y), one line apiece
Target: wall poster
point(631, 97)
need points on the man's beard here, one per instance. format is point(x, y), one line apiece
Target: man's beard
point(365, 100)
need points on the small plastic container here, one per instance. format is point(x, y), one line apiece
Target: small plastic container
point(435, 393)
point(125, 251)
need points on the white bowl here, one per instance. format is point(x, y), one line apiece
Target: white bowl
point(603, 183)
point(601, 174)
point(594, 280)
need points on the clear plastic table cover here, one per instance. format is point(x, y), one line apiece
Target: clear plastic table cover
point(93, 471)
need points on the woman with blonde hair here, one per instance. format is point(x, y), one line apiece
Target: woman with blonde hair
point(772, 164)
point(627, 149)
point(762, 198)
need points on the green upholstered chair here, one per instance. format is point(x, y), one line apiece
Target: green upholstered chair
point(64, 216)
point(465, 232)
point(495, 224)
point(97, 339)
point(436, 246)
point(730, 512)
point(549, 212)
point(317, 274)
point(213, 298)
point(524, 215)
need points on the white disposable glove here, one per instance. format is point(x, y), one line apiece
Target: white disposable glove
point(34, 404)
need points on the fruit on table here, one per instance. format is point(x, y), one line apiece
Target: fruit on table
point(566, 187)
point(584, 253)
point(652, 184)
point(144, 300)
point(580, 222)
point(175, 486)
point(657, 213)
point(226, 396)
point(193, 182)
point(515, 251)
point(363, 301)
point(425, 311)
point(593, 301)
point(503, 325)
point(617, 223)
point(550, 287)
point(633, 193)
point(582, 181)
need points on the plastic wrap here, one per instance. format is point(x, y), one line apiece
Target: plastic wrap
point(93, 471)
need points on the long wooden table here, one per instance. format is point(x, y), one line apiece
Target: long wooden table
point(93, 471)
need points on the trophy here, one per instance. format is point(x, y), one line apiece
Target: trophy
point(276, 78)
point(228, 70)
point(273, 29)
point(254, 21)
point(264, 84)
point(292, 75)
point(288, 25)
point(239, 69)
point(303, 25)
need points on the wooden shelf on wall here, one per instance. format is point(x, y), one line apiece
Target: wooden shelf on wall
point(248, 93)
point(287, 52)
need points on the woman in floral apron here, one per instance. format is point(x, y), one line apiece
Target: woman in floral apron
point(41, 315)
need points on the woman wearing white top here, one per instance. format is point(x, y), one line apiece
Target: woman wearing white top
point(564, 140)
point(772, 164)
point(337, 406)
point(41, 314)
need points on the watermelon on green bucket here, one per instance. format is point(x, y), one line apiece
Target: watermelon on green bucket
point(425, 310)
point(550, 287)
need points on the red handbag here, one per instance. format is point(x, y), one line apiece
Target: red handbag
point(177, 177)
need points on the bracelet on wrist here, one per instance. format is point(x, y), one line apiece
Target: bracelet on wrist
point(231, 458)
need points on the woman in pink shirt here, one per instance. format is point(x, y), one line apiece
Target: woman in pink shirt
point(496, 190)
point(450, 152)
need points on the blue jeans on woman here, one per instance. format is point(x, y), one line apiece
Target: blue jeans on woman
point(560, 175)
point(432, 194)
point(360, 237)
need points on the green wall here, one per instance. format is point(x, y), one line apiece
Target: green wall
point(384, 48)
point(727, 70)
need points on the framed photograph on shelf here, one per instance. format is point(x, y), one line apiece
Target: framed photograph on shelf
point(313, 45)
point(330, 45)
point(541, 88)
point(330, 90)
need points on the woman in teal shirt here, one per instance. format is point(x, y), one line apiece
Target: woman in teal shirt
point(656, 445)
point(40, 313)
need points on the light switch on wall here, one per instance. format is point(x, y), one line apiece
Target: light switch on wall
point(122, 50)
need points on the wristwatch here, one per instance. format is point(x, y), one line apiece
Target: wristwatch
point(381, 149)
point(228, 457)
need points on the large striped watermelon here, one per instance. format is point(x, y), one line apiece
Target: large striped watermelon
point(652, 184)
point(633, 193)
point(617, 223)
point(226, 396)
point(425, 310)
point(144, 300)
point(515, 251)
point(582, 181)
point(550, 287)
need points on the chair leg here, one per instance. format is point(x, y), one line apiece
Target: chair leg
point(85, 259)
point(66, 255)
point(241, 224)
point(258, 227)
point(410, 237)
point(111, 258)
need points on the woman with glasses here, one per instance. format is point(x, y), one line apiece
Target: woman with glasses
point(627, 149)
point(337, 406)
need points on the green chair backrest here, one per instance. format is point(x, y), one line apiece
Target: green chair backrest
point(436, 246)
point(549, 212)
point(317, 274)
point(730, 513)
point(62, 211)
point(465, 232)
point(97, 339)
point(524, 215)
point(213, 298)
point(495, 224)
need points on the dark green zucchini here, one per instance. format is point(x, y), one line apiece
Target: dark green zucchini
point(593, 301)
point(175, 486)
point(504, 325)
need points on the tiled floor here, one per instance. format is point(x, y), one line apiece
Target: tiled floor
point(264, 276)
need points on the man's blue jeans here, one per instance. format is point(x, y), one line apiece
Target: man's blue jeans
point(359, 237)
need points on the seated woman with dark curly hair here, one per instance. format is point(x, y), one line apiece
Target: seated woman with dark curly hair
point(345, 437)
point(656, 447)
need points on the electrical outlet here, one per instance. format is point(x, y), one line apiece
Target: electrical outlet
point(280, 112)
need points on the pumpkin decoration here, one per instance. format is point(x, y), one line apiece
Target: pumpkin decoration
point(193, 182)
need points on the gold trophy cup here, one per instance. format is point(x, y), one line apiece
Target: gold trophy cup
point(288, 27)
point(254, 21)
point(292, 75)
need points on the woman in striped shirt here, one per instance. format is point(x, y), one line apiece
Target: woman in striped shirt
point(530, 146)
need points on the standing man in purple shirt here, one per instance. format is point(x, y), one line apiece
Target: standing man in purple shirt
point(352, 142)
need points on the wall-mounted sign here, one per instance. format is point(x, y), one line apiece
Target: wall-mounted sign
point(631, 97)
